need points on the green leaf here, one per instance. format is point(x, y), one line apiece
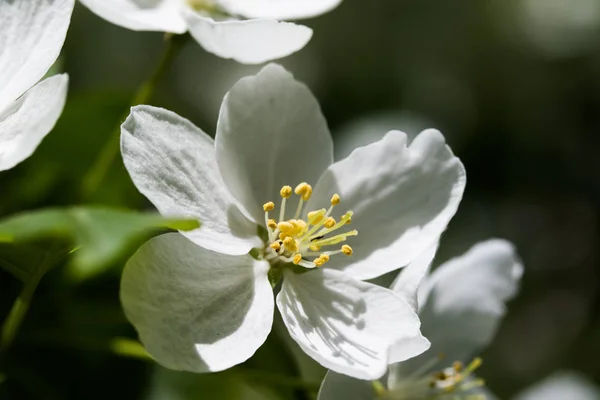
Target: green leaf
point(99, 235)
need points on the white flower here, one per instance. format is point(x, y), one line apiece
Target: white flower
point(32, 33)
point(460, 306)
point(561, 385)
point(200, 302)
point(248, 31)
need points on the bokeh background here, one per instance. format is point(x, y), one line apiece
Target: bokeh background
point(513, 84)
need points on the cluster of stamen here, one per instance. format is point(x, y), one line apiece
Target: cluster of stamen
point(450, 383)
point(453, 379)
point(300, 240)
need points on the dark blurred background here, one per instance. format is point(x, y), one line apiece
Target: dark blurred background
point(513, 84)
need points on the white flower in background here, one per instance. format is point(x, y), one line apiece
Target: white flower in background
point(563, 385)
point(201, 302)
point(248, 31)
point(460, 306)
point(32, 33)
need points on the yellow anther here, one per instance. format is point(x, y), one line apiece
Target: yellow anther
point(285, 226)
point(307, 193)
point(297, 259)
point(301, 188)
point(290, 243)
point(282, 235)
point(322, 259)
point(348, 220)
point(272, 224)
point(285, 192)
point(315, 248)
point(457, 366)
point(300, 225)
point(476, 363)
point(275, 246)
point(304, 190)
point(347, 250)
point(268, 206)
point(329, 222)
point(335, 199)
point(314, 217)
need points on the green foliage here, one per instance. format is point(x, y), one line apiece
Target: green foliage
point(98, 236)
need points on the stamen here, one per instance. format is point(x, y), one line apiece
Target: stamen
point(297, 259)
point(314, 217)
point(285, 194)
point(272, 224)
point(335, 199)
point(285, 226)
point(457, 366)
point(275, 246)
point(335, 239)
point(322, 259)
point(290, 244)
point(268, 206)
point(347, 250)
point(329, 222)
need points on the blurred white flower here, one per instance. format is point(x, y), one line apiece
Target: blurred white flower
point(561, 386)
point(460, 306)
point(248, 31)
point(561, 27)
point(32, 33)
point(201, 302)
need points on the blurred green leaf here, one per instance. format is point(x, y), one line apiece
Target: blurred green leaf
point(100, 235)
point(174, 385)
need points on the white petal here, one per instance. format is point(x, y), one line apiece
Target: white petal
point(464, 301)
point(270, 133)
point(402, 196)
point(29, 119)
point(253, 41)
point(140, 15)
point(346, 325)
point(32, 34)
point(408, 280)
point(194, 309)
point(337, 386)
point(172, 163)
point(562, 386)
point(279, 9)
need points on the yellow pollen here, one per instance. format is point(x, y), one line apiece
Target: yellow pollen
point(322, 259)
point(268, 206)
point(457, 366)
point(275, 246)
point(272, 224)
point(314, 217)
point(347, 250)
point(335, 199)
point(285, 226)
point(304, 190)
point(315, 248)
point(329, 222)
point(297, 259)
point(285, 192)
point(290, 243)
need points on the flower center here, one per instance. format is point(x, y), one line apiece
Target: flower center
point(450, 383)
point(306, 239)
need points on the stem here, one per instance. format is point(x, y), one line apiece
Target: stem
point(99, 169)
point(276, 379)
point(13, 322)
